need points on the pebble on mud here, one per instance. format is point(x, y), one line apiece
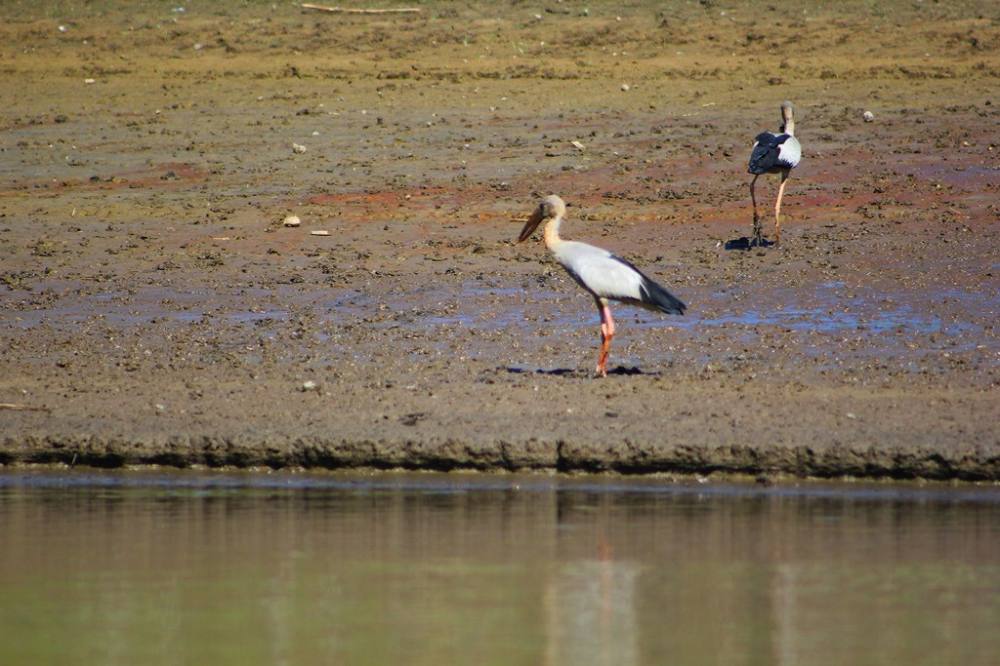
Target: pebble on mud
point(309, 385)
point(625, 87)
point(577, 144)
point(320, 232)
point(291, 221)
point(298, 148)
point(868, 116)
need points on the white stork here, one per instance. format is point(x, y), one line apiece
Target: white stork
point(774, 153)
point(605, 276)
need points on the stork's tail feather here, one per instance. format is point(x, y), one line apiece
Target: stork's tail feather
point(658, 297)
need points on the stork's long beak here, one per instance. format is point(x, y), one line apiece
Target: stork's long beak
point(532, 224)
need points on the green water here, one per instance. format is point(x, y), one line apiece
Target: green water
point(153, 568)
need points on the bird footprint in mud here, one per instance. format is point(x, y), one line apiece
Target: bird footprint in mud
point(412, 419)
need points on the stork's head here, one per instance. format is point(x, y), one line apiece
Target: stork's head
point(787, 122)
point(549, 207)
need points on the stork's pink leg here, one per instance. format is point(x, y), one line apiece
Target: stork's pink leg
point(777, 208)
point(758, 234)
point(607, 332)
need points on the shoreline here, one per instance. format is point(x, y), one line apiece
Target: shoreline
point(766, 466)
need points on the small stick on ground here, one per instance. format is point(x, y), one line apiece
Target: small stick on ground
point(22, 408)
point(352, 10)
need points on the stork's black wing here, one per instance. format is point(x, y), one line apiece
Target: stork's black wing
point(651, 295)
point(766, 151)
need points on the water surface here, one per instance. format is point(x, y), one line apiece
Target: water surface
point(157, 568)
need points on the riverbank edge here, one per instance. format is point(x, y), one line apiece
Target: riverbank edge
point(973, 464)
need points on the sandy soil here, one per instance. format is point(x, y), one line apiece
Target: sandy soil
point(154, 310)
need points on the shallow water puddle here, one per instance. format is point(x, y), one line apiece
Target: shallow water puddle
point(877, 323)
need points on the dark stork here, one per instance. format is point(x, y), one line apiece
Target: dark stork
point(605, 276)
point(774, 153)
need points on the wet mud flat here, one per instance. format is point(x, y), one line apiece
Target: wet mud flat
point(153, 309)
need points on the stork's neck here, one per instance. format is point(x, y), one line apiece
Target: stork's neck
point(789, 127)
point(552, 232)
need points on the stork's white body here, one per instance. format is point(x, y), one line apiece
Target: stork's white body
point(787, 152)
point(597, 270)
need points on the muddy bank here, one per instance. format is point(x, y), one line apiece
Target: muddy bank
point(766, 463)
point(154, 310)
point(511, 419)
